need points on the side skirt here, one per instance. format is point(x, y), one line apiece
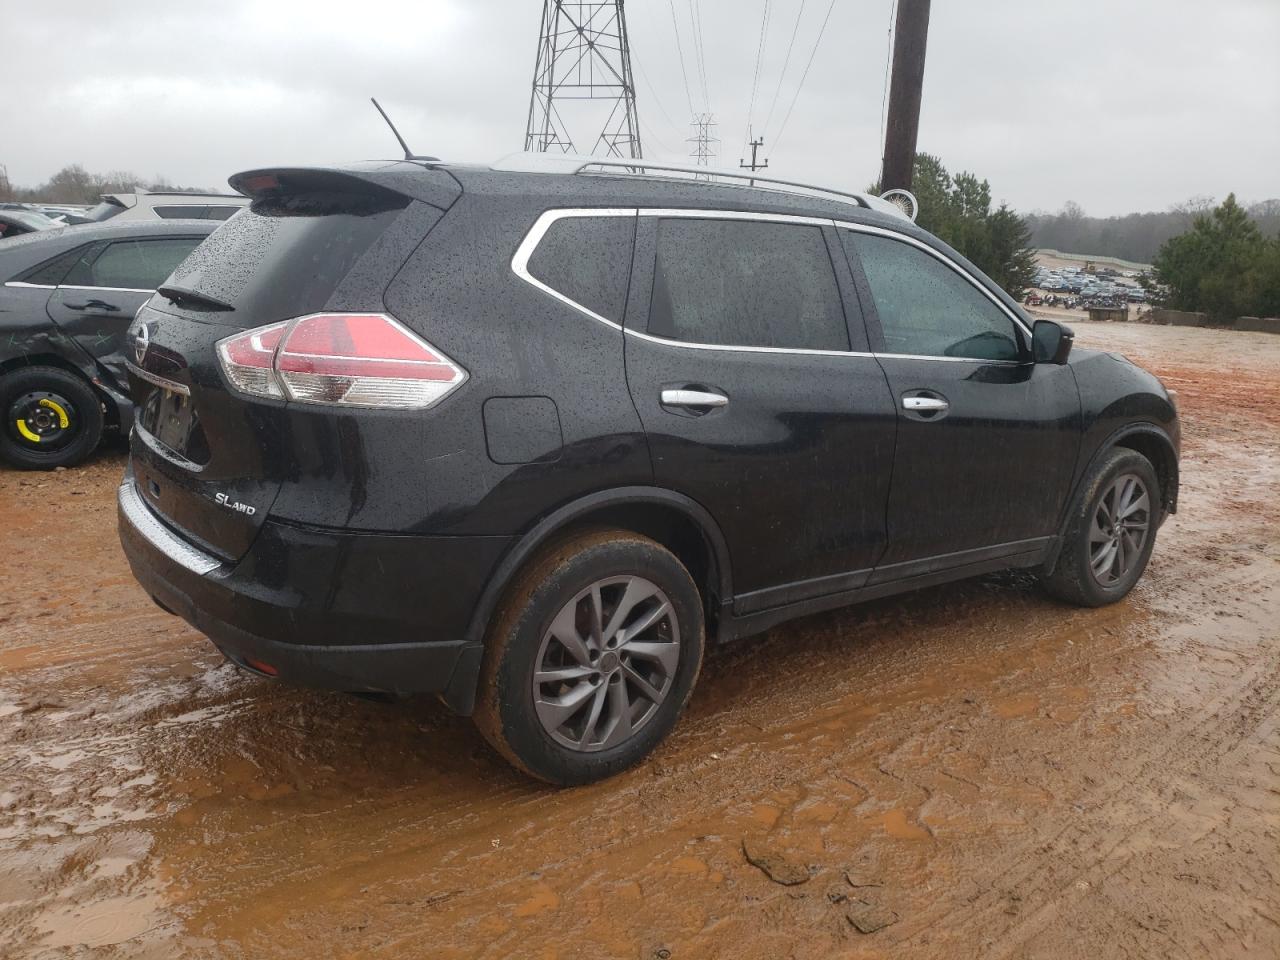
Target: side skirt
point(895, 579)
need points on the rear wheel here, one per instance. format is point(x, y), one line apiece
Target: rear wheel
point(591, 658)
point(52, 418)
point(1111, 531)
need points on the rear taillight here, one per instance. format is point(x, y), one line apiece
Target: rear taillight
point(348, 359)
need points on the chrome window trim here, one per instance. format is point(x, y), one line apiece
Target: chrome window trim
point(520, 266)
point(140, 517)
point(943, 259)
point(520, 261)
point(156, 380)
point(72, 286)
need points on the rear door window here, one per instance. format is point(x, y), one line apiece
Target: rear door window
point(745, 283)
point(132, 264)
point(588, 260)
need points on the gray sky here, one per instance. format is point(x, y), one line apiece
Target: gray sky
point(1120, 105)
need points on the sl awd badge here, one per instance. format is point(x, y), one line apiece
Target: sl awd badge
point(235, 505)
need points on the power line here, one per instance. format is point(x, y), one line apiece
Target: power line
point(804, 75)
point(695, 17)
point(653, 90)
point(786, 61)
point(755, 82)
point(680, 50)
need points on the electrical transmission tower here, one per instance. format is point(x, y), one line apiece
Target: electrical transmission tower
point(704, 144)
point(582, 81)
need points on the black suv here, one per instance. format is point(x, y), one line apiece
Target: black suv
point(528, 440)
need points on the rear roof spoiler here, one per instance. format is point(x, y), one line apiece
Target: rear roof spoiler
point(413, 180)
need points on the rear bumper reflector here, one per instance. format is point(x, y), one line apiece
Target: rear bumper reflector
point(134, 509)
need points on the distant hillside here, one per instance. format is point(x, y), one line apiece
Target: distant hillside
point(1136, 236)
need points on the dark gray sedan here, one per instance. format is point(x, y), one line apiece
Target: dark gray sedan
point(69, 294)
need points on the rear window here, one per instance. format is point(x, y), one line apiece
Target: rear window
point(284, 256)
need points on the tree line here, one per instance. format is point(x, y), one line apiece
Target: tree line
point(1224, 265)
point(1135, 236)
point(75, 184)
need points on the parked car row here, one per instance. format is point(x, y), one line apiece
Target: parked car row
point(20, 218)
point(1083, 289)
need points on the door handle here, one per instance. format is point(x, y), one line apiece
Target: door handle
point(925, 404)
point(693, 398)
point(94, 304)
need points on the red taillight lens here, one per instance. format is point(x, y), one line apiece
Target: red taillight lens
point(350, 359)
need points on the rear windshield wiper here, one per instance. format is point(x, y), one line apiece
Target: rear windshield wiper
point(184, 297)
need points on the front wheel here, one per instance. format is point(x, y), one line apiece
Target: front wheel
point(52, 418)
point(591, 658)
point(1110, 533)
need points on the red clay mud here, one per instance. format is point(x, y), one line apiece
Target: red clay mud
point(970, 771)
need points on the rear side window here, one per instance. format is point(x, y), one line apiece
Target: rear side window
point(51, 272)
point(132, 264)
point(181, 213)
point(220, 213)
point(927, 309)
point(746, 283)
point(588, 259)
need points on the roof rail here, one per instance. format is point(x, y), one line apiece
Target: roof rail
point(569, 163)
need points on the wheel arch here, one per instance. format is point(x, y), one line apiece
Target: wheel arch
point(1152, 442)
point(1157, 446)
point(676, 521)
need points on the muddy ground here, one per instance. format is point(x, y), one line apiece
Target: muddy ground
point(976, 770)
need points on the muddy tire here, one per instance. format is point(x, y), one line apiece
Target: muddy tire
point(591, 657)
point(52, 418)
point(1110, 532)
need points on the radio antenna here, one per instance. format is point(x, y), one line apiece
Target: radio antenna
point(408, 154)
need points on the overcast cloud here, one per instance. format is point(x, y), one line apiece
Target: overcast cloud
point(1120, 105)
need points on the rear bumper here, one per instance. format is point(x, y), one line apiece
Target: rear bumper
point(325, 609)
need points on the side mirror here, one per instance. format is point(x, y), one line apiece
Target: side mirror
point(1051, 342)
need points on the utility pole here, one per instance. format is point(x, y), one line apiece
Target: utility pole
point(583, 55)
point(753, 166)
point(910, 34)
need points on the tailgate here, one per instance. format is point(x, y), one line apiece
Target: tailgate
point(208, 460)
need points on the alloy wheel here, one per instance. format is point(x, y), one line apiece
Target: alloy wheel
point(606, 663)
point(1121, 525)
